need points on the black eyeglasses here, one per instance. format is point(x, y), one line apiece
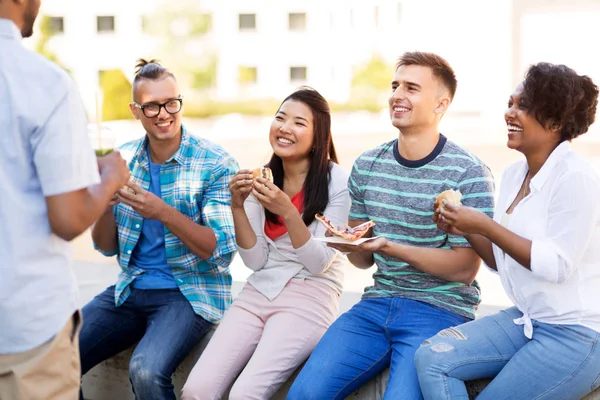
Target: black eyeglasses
point(152, 110)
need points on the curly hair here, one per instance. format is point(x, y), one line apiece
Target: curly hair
point(559, 98)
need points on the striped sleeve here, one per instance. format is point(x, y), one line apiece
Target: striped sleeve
point(477, 188)
point(358, 210)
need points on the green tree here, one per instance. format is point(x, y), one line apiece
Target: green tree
point(116, 90)
point(376, 73)
point(45, 34)
point(180, 29)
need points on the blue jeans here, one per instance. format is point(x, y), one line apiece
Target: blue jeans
point(374, 334)
point(561, 361)
point(163, 322)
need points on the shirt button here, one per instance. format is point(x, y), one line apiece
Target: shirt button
point(137, 226)
point(128, 251)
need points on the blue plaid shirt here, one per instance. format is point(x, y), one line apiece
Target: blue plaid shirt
point(194, 181)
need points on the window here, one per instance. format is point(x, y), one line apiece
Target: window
point(247, 75)
point(399, 12)
point(247, 22)
point(56, 24)
point(297, 74)
point(297, 21)
point(105, 24)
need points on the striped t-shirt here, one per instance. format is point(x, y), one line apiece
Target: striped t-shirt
point(398, 194)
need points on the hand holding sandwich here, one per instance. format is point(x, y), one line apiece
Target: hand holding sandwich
point(146, 203)
point(272, 198)
point(460, 220)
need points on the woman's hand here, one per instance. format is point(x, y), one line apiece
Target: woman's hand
point(241, 187)
point(272, 198)
point(460, 220)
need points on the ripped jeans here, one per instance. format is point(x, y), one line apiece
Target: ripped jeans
point(561, 361)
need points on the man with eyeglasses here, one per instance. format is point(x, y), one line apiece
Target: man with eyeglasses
point(172, 231)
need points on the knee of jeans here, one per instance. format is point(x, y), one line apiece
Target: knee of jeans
point(432, 354)
point(143, 375)
point(303, 391)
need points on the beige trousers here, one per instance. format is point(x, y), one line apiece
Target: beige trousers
point(48, 372)
point(260, 343)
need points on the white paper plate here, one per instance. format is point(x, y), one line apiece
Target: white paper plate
point(337, 239)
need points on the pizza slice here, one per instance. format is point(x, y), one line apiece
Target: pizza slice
point(351, 234)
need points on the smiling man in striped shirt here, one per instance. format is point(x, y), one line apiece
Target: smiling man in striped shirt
point(425, 278)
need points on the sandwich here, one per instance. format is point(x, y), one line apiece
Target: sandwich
point(264, 172)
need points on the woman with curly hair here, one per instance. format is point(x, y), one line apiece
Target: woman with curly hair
point(544, 242)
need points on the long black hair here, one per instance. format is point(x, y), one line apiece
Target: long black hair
point(316, 184)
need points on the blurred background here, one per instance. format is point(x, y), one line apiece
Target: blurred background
point(235, 60)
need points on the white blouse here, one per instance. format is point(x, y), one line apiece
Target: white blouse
point(275, 262)
point(561, 216)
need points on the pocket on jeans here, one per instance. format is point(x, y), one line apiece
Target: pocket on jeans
point(573, 330)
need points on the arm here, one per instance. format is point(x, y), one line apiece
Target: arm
point(104, 233)
point(459, 264)
point(479, 243)
point(483, 247)
point(68, 170)
point(316, 256)
point(254, 249)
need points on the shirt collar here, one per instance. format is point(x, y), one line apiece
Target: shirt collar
point(9, 30)
point(555, 157)
point(142, 155)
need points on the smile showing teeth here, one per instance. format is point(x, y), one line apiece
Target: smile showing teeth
point(401, 109)
point(513, 128)
point(163, 124)
point(284, 141)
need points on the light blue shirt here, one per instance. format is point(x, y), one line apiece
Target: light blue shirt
point(150, 253)
point(44, 151)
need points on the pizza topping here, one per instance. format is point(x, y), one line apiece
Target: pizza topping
point(349, 233)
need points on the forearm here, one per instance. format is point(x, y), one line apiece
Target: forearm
point(512, 244)
point(299, 233)
point(483, 247)
point(449, 264)
point(72, 213)
point(199, 239)
point(104, 232)
point(362, 260)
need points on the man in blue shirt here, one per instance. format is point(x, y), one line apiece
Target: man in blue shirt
point(173, 233)
point(52, 189)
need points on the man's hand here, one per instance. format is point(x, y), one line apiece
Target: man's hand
point(370, 246)
point(147, 204)
point(113, 168)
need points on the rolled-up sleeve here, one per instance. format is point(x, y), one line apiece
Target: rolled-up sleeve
point(216, 213)
point(255, 258)
point(316, 256)
point(573, 213)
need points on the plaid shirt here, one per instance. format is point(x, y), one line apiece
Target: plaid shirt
point(195, 182)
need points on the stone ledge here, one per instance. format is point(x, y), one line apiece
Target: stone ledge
point(109, 380)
